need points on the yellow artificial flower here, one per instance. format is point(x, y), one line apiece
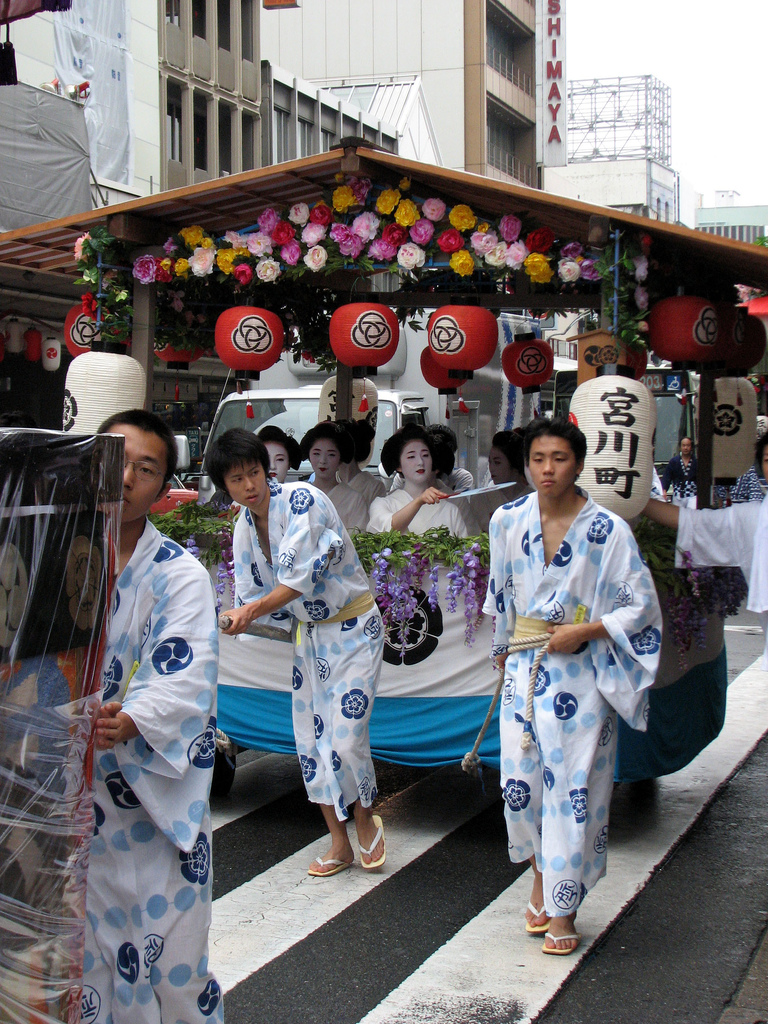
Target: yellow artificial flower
point(339, 176)
point(462, 263)
point(242, 252)
point(224, 260)
point(343, 198)
point(207, 243)
point(537, 267)
point(387, 201)
point(462, 218)
point(483, 228)
point(407, 213)
point(181, 267)
point(167, 263)
point(405, 184)
point(192, 236)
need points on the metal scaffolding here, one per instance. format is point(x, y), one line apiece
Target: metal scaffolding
point(619, 119)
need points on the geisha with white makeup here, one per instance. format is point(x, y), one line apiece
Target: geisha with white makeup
point(327, 446)
point(419, 505)
point(284, 452)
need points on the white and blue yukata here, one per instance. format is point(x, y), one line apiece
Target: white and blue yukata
point(336, 665)
point(148, 901)
point(557, 793)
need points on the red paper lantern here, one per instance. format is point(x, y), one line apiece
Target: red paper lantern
point(80, 331)
point(249, 339)
point(684, 329)
point(752, 339)
point(437, 376)
point(34, 350)
point(176, 358)
point(528, 364)
point(364, 334)
point(462, 337)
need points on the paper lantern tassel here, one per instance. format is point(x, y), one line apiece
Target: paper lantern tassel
point(249, 411)
point(363, 407)
point(463, 406)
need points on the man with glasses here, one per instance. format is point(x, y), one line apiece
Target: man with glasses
point(149, 877)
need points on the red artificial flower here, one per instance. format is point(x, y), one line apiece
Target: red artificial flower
point(321, 213)
point(242, 273)
point(450, 240)
point(283, 232)
point(161, 274)
point(541, 240)
point(645, 244)
point(395, 234)
point(90, 305)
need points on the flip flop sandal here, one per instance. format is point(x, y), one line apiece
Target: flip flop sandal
point(337, 866)
point(554, 951)
point(372, 865)
point(536, 929)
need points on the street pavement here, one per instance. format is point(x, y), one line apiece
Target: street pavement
point(673, 934)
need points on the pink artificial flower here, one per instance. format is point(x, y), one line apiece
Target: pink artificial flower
point(641, 267)
point(242, 273)
point(433, 209)
point(291, 253)
point(267, 269)
point(572, 251)
point(497, 256)
point(483, 241)
point(379, 249)
point(298, 214)
point(259, 244)
point(517, 253)
point(410, 256)
point(568, 271)
point(589, 271)
point(313, 233)
point(366, 225)
point(316, 258)
point(201, 261)
point(144, 269)
point(641, 297)
point(348, 242)
point(267, 220)
point(422, 231)
point(510, 227)
point(170, 246)
point(177, 299)
point(360, 188)
point(79, 245)
point(236, 240)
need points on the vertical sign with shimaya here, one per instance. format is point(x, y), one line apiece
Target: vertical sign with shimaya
point(551, 85)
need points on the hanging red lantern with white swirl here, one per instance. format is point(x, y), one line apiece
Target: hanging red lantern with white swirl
point(684, 329)
point(528, 363)
point(462, 338)
point(748, 347)
point(437, 376)
point(177, 359)
point(364, 334)
point(80, 331)
point(249, 339)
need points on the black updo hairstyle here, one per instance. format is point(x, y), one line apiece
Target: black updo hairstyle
point(393, 446)
point(277, 436)
point(510, 444)
point(330, 431)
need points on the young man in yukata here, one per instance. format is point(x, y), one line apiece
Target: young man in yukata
point(293, 555)
point(560, 564)
point(149, 886)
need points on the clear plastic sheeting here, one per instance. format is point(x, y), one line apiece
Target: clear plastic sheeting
point(59, 515)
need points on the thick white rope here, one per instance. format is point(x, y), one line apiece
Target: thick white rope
point(471, 762)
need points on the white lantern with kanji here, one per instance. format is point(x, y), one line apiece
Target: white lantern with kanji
point(734, 419)
point(618, 417)
point(98, 385)
point(365, 400)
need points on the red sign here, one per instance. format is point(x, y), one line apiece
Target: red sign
point(276, 5)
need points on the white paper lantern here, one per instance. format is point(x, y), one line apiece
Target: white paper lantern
point(100, 384)
point(734, 424)
point(51, 354)
point(618, 417)
point(15, 342)
point(364, 394)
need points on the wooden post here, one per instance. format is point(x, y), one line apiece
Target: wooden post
point(706, 432)
point(343, 392)
point(143, 344)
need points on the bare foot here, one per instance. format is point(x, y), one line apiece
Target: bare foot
point(535, 920)
point(366, 834)
point(338, 852)
point(559, 926)
point(537, 900)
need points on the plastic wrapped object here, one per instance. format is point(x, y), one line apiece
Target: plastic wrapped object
point(59, 515)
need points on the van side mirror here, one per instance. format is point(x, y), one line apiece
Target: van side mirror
point(182, 443)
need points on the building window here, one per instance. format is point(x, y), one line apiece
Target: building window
point(281, 148)
point(173, 121)
point(198, 18)
point(306, 137)
point(201, 132)
point(246, 26)
point(222, 22)
point(329, 139)
point(249, 142)
point(225, 139)
point(173, 12)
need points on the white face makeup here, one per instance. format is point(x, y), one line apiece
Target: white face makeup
point(416, 465)
point(324, 458)
point(278, 461)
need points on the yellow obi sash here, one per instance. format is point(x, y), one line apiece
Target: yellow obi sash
point(357, 606)
point(525, 627)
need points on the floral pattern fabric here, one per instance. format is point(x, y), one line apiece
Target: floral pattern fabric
point(557, 794)
point(149, 877)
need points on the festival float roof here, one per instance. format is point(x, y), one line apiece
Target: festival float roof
point(234, 202)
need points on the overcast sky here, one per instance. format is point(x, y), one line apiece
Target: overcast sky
point(716, 67)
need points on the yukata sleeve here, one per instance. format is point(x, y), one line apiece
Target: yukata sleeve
point(313, 534)
point(499, 598)
point(719, 536)
point(248, 582)
point(380, 515)
point(172, 695)
point(627, 604)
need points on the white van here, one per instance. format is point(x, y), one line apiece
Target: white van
point(295, 410)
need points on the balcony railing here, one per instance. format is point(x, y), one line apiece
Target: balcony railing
point(502, 63)
point(505, 161)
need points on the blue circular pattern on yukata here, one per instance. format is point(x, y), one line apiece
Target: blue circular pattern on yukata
point(196, 864)
point(578, 799)
point(542, 681)
point(565, 895)
point(517, 794)
point(90, 1004)
point(600, 528)
point(168, 550)
point(297, 678)
point(99, 818)
point(323, 669)
point(112, 678)
point(153, 947)
point(202, 749)
point(128, 963)
point(624, 595)
point(256, 574)
point(172, 655)
point(319, 727)
point(121, 793)
point(308, 767)
point(317, 610)
point(565, 705)
point(601, 840)
point(354, 704)
point(209, 998)
point(372, 627)
point(287, 558)
point(563, 555)
point(301, 501)
point(348, 624)
point(318, 566)
point(548, 776)
point(647, 641)
point(335, 761)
